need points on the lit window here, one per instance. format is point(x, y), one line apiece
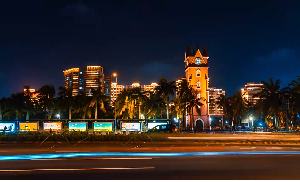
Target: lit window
point(198, 84)
point(198, 73)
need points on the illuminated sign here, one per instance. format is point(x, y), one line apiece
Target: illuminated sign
point(102, 126)
point(131, 126)
point(53, 125)
point(77, 126)
point(8, 127)
point(152, 125)
point(28, 126)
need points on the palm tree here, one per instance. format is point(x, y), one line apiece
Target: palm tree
point(165, 90)
point(223, 102)
point(47, 97)
point(237, 106)
point(1, 108)
point(81, 104)
point(294, 89)
point(66, 99)
point(15, 106)
point(183, 97)
point(194, 103)
point(127, 102)
point(27, 101)
point(270, 103)
point(98, 98)
point(153, 106)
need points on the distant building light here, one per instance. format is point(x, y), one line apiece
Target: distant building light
point(80, 72)
point(80, 88)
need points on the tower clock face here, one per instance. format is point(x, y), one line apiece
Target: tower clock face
point(198, 61)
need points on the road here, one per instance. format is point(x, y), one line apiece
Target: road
point(229, 167)
point(150, 160)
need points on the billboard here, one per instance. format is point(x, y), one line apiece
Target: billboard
point(102, 126)
point(9, 127)
point(77, 126)
point(55, 126)
point(131, 126)
point(152, 125)
point(28, 126)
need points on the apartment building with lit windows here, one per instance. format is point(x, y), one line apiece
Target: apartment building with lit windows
point(94, 79)
point(107, 85)
point(89, 80)
point(115, 91)
point(178, 84)
point(214, 96)
point(34, 96)
point(250, 90)
point(72, 79)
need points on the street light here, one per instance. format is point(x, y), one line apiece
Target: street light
point(251, 119)
point(58, 116)
point(115, 92)
point(115, 75)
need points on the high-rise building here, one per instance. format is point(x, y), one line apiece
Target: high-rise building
point(115, 91)
point(72, 80)
point(34, 96)
point(94, 79)
point(214, 95)
point(249, 94)
point(107, 85)
point(148, 89)
point(89, 80)
point(250, 90)
point(196, 73)
point(178, 84)
point(145, 89)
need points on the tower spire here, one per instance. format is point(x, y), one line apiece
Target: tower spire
point(198, 47)
point(188, 50)
point(204, 51)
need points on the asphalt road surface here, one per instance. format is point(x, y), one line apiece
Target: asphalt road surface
point(220, 167)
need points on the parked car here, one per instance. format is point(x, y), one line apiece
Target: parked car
point(164, 128)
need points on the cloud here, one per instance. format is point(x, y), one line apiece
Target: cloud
point(81, 13)
point(78, 9)
point(280, 64)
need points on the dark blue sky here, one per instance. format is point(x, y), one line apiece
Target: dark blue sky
point(145, 40)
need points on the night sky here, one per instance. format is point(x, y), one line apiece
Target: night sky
point(247, 41)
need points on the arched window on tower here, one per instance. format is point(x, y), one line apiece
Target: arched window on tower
point(198, 96)
point(198, 84)
point(198, 73)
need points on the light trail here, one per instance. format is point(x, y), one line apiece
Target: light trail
point(79, 169)
point(74, 155)
point(238, 138)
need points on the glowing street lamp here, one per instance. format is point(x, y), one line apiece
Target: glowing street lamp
point(251, 119)
point(58, 116)
point(115, 75)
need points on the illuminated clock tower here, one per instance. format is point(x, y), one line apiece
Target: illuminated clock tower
point(196, 73)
